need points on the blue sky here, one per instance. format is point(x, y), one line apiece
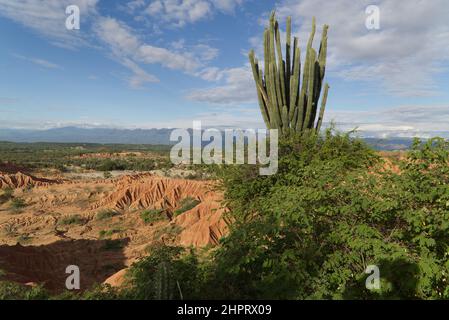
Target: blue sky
point(165, 63)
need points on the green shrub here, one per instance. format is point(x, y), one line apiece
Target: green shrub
point(111, 165)
point(108, 233)
point(186, 205)
point(152, 216)
point(17, 204)
point(106, 214)
point(71, 220)
point(9, 229)
point(14, 291)
point(167, 273)
point(311, 230)
point(6, 195)
point(25, 238)
point(170, 231)
point(102, 292)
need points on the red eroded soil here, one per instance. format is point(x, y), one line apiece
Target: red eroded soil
point(38, 241)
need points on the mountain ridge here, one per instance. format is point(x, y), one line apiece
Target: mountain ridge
point(72, 134)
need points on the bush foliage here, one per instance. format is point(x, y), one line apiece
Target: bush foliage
point(332, 210)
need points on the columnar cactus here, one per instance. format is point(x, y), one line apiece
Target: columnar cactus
point(283, 105)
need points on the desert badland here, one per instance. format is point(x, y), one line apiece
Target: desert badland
point(58, 219)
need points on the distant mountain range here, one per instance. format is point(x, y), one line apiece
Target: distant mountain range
point(138, 136)
point(88, 135)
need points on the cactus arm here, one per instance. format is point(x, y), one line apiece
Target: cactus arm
point(323, 107)
point(323, 52)
point(320, 71)
point(276, 109)
point(285, 120)
point(258, 80)
point(281, 66)
point(310, 93)
point(294, 85)
point(288, 69)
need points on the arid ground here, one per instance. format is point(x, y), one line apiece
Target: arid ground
point(51, 220)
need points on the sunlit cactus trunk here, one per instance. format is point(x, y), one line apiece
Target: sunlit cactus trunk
point(285, 102)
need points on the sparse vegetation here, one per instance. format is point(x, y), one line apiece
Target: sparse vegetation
point(75, 219)
point(186, 205)
point(62, 156)
point(17, 204)
point(10, 229)
point(24, 238)
point(14, 291)
point(7, 194)
point(106, 214)
point(107, 175)
point(152, 216)
point(169, 232)
point(108, 233)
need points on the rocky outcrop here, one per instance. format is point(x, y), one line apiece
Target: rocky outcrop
point(22, 180)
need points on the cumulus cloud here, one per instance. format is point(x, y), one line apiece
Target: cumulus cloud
point(47, 18)
point(399, 121)
point(227, 5)
point(404, 56)
point(139, 76)
point(130, 51)
point(235, 86)
point(178, 13)
point(135, 4)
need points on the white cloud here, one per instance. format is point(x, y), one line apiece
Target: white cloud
point(237, 87)
point(405, 121)
point(129, 50)
point(47, 18)
point(117, 35)
point(404, 56)
point(135, 4)
point(227, 5)
point(205, 52)
point(210, 74)
point(178, 13)
point(151, 54)
point(139, 76)
point(40, 62)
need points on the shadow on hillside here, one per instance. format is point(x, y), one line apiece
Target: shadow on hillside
point(46, 264)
